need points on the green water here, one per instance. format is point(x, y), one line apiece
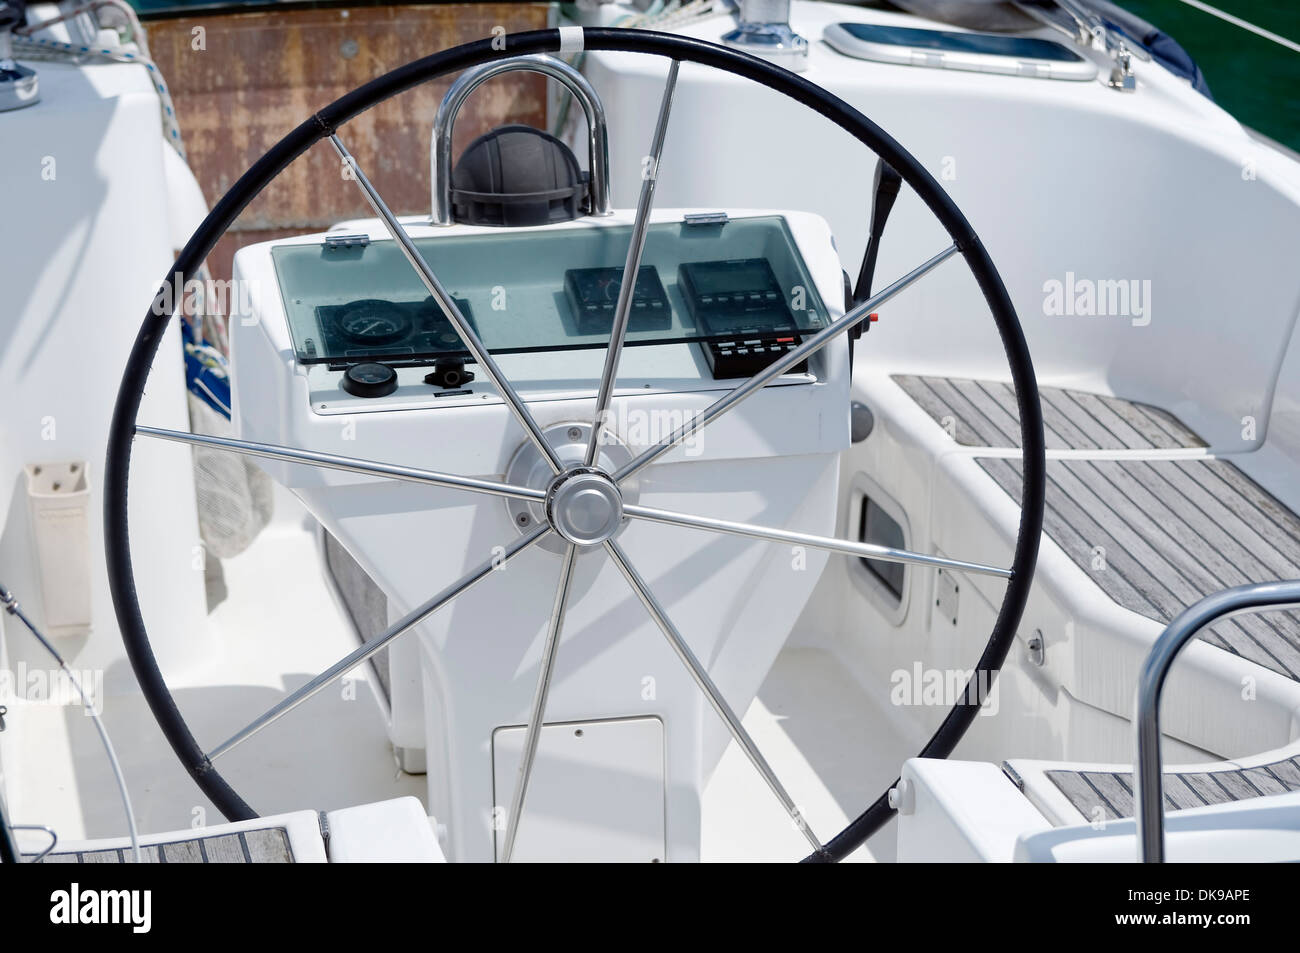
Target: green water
point(1255, 79)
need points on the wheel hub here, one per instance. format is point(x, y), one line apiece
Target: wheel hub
point(583, 504)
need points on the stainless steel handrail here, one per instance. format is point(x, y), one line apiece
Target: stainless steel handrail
point(471, 79)
point(54, 839)
point(1148, 779)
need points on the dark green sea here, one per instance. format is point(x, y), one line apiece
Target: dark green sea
point(1255, 79)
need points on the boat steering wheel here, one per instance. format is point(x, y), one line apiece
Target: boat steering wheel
point(576, 488)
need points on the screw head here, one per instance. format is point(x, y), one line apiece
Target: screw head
point(574, 433)
point(523, 519)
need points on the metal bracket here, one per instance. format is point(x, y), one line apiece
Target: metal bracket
point(346, 241)
point(1086, 28)
point(19, 85)
point(1037, 648)
point(1121, 75)
point(764, 31)
point(705, 218)
point(947, 593)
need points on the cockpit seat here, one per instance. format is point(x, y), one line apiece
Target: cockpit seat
point(1139, 506)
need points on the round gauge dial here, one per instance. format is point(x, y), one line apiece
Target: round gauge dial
point(370, 380)
point(373, 322)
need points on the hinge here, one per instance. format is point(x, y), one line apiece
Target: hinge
point(346, 241)
point(705, 218)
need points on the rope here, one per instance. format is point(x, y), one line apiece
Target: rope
point(24, 38)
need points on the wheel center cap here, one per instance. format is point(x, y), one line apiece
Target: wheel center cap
point(585, 507)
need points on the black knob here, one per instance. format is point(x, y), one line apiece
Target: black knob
point(449, 372)
point(370, 380)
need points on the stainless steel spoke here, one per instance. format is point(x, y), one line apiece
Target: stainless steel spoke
point(830, 543)
point(709, 689)
point(449, 308)
point(627, 287)
point(364, 651)
point(330, 461)
point(535, 717)
point(776, 369)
